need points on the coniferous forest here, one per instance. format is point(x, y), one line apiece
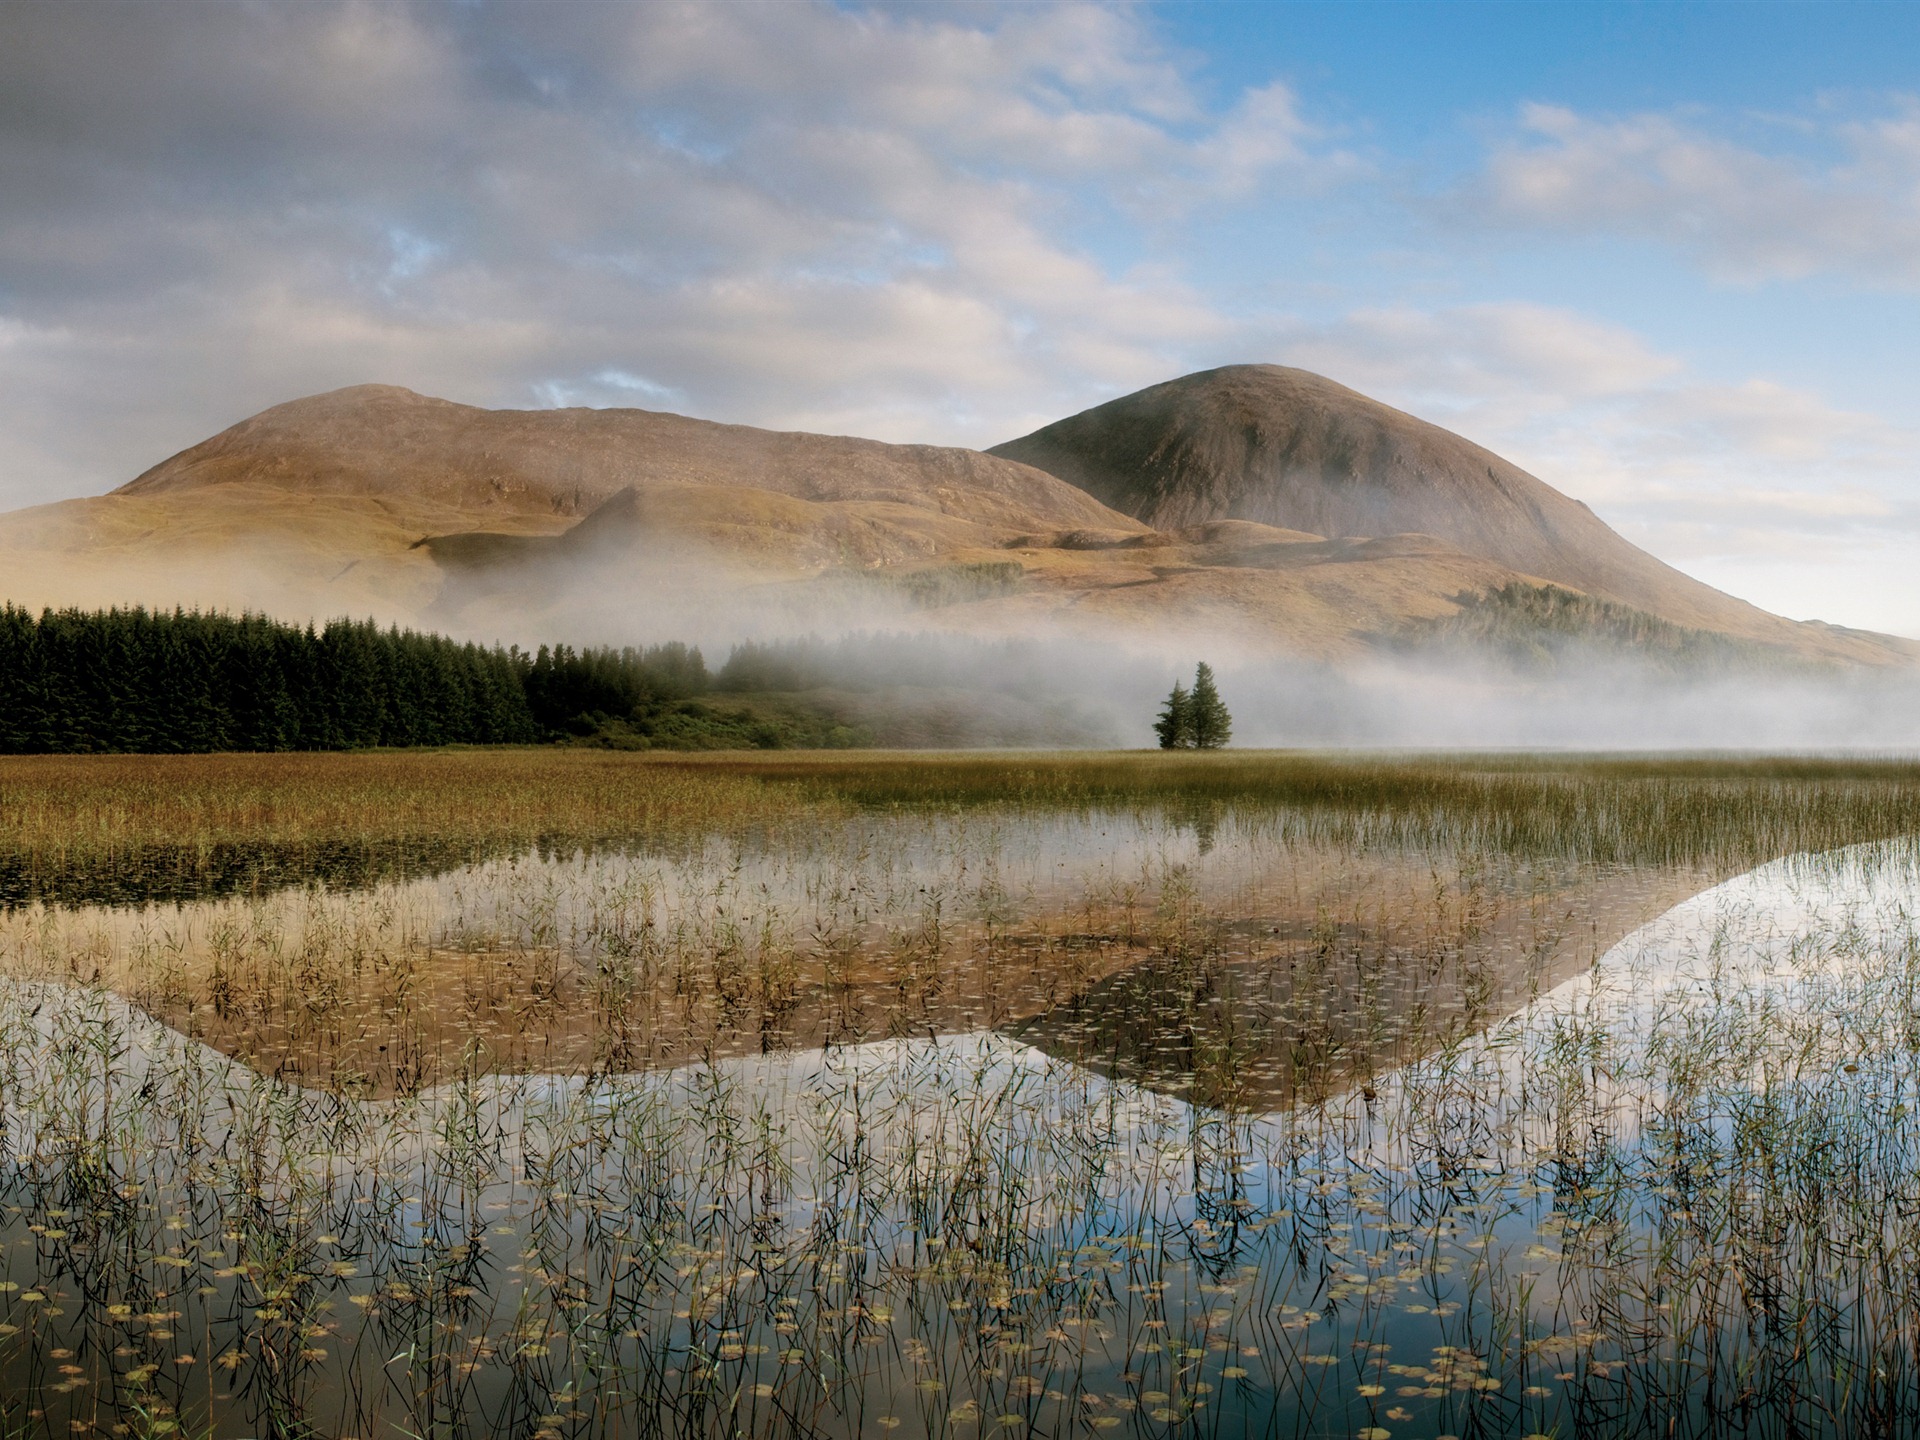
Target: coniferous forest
point(75, 682)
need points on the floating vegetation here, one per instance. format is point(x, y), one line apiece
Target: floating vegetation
point(845, 1113)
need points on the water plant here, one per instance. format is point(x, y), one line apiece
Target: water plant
point(824, 1096)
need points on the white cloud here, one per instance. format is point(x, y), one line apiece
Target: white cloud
point(1825, 196)
point(1471, 354)
point(793, 214)
point(1770, 422)
point(1723, 479)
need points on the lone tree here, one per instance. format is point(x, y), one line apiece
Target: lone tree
point(1194, 719)
point(1175, 725)
point(1208, 719)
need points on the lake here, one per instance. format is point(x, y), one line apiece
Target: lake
point(1491, 1096)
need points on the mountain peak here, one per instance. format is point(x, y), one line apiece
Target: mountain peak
point(1267, 505)
point(1291, 448)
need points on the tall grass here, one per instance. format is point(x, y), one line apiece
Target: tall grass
point(124, 828)
point(834, 1096)
point(1603, 809)
point(63, 816)
point(1673, 1211)
point(871, 926)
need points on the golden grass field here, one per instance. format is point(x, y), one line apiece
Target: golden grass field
point(1601, 806)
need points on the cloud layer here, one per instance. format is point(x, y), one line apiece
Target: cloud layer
point(783, 214)
point(1841, 196)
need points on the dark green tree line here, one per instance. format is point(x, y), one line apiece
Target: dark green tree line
point(137, 680)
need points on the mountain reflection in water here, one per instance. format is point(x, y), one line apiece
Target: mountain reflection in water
point(1515, 1235)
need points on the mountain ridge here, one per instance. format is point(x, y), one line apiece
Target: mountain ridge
point(1272, 509)
point(567, 462)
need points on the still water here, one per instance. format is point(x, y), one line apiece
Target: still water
point(1099, 1125)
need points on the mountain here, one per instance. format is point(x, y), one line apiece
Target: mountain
point(385, 442)
point(1270, 509)
point(320, 505)
point(1289, 448)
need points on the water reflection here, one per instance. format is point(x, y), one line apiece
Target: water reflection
point(1187, 922)
point(964, 1235)
point(1279, 1007)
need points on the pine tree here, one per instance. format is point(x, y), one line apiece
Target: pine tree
point(1210, 724)
point(1175, 725)
point(77, 681)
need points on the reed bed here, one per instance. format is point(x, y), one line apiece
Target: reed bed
point(127, 828)
point(878, 927)
point(108, 811)
point(1649, 810)
point(834, 1096)
point(1685, 1210)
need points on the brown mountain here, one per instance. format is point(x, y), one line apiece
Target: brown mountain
point(320, 505)
point(1262, 506)
point(385, 442)
point(1293, 449)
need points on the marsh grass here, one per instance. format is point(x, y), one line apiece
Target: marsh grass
point(126, 828)
point(64, 819)
point(1724, 810)
point(822, 1096)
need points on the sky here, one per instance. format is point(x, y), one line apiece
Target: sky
point(1664, 255)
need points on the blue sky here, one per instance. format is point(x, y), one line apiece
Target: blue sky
point(1664, 255)
point(1814, 516)
point(1401, 64)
